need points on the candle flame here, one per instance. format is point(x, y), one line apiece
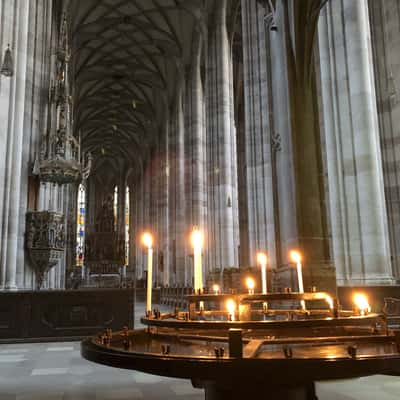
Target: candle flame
point(147, 240)
point(196, 238)
point(295, 256)
point(250, 283)
point(231, 306)
point(216, 288)
point(361, 302)
point(262, 258)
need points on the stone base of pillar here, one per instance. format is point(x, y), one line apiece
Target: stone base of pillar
point(319, 277)
point(371, 280)
point(9, 288)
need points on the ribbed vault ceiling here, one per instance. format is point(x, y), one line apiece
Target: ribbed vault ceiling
point(128, 57)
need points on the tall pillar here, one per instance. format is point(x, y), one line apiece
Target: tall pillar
point(195, 150)
point(163, 207)
point(21, 110)
point(121, 205)
point(356, 190)
point(282, 131)
point(147, 208)
point(385, 28)
point(223, 229)
point(176, 169)
point(300, 218)
point(121, 218)
point(16, 100)
point(258, 133)
point(138, 224)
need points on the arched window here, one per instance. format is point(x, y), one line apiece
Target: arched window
point(127, 215)
point(80, 225)
point(115, 208)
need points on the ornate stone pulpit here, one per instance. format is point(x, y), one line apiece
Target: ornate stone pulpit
point(45, 241)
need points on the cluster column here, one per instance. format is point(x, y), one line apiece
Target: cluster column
point(176, 171)
point(257, 134)
point(195, 148)
point(356, 195)
point(223, 226)
point(163, 209)
point(385, 27)
point(21, 113)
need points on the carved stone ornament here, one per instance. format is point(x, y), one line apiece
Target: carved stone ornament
point(60, 160)
point(45, 241)
point(60, 171)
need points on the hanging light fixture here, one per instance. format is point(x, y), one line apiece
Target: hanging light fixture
point(7, 66)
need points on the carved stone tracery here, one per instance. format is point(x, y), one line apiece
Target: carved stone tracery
point(45, 241)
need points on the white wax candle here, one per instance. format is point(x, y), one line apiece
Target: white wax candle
point(300, 280)
point(149, 278)
point(264, 278)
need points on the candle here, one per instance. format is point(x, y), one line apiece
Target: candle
point(250, 285)
point(147, 240)
point(361, 304)
point(216, 289)
point(197, 242)
point(262, 260)
point(231, 307)
point(296, 258)
point(329, 300)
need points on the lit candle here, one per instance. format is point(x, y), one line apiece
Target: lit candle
point(197, 239)
point(296, 258)
point(361, 303)
point(329, 300)
point(262, 260)
point(250, 285)
point(216, 289)
point(147, 240)
point(231, 307)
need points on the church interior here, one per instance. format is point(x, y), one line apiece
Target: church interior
point(192, 183)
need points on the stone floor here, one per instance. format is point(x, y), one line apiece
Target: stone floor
point(56, 371)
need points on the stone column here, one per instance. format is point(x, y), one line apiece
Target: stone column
point(131, 271)
point(163, 207)
point(71, 210)
point(121, 205)
point(173, 185)
point(195, 150)
point(385, 28)
point(258, 133)
point(221, 147)
point(177, 217)
point(22, 106)
point(56, 204)
point(137, 212)
point(147, 219)
point(285, 207)
point(121, 217)
point(357, 204)
point(299, 209)
point(17, 103)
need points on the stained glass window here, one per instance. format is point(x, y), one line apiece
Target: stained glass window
point(127, 226)
point(115, 208)
point(80, 225)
